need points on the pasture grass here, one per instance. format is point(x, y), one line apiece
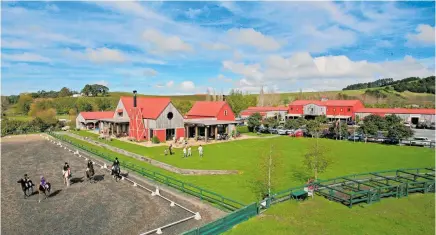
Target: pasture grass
point(414, 214)
point(244, 156)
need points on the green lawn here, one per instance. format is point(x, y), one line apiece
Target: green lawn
point(412, 215)
point(243, 155)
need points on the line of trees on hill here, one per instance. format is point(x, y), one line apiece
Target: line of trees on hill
point(412, 84)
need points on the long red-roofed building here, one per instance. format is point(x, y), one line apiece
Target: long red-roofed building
point(332, 109)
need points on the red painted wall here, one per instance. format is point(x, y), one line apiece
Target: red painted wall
point(180, 132)
point(160, 134)
point(296, 109)
point(230, 115)
point(331, 110)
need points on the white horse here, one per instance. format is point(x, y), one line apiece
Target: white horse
point(67, 176)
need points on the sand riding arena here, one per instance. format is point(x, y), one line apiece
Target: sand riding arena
point(129, 206)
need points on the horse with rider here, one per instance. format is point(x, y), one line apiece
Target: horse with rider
point(90, 171)
point(115, 170)
point(26, 186)
point(44, 187)
point(66, 173)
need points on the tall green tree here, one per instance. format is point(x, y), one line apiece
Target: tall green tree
point(254, 121)
point(316, 158)
point(65, 92)
point(23, 104)
point(314, 128)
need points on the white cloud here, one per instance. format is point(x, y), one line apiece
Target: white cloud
point(187, 85)
point(253, 38)
point(25, 57)
point(317, 40)
point(15, 44)
point(102, 55)
point(164, 43)
point(169, 83)
point(303, 67)
point(149, 72)
point(221, 78)
point(425, 35)
point(102, 82)
point(193, 13)
point(216, 46)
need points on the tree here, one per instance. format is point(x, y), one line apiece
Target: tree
point(65, 92)
point(254, 121)
point(399, 131)
point(236, 101)
point(95, 90)
point(314, 128)
point(291, 124)
point(5, 104)
point(316, 159)
point(48, 116)
point(261, 98)
point(268, 174)
point(339, 129)
point(321, 119)
point(84, 106)
point(271, 122)
point(73, 115)
point(183, 106)
point(301, 122)
point(23, 104)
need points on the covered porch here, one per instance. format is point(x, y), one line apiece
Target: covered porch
point(118, 127)
point(339, 117)
point(208, 129)
point(88, 124)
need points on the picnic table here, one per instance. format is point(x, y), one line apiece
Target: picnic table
point(299, 195)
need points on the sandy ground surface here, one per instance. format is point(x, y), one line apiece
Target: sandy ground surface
point(104, 207)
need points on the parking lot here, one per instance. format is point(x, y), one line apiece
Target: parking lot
point(430, 134)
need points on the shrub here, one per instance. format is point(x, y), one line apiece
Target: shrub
point(242, 129)
point(155, 140)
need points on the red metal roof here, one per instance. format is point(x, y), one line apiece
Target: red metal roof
point(249, 112)
point(397, 111)
point(97, 115)
point(206, 108)
point(327, 102)
point(151, 107)
point(267, 109)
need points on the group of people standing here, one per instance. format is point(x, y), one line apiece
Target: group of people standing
point(187, 151)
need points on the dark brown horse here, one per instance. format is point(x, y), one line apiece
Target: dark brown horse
point(46, 190)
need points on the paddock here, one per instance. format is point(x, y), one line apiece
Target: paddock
point(104, 207)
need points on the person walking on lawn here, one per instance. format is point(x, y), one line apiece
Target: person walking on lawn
point(170, 148)
point(200, 151)
point(189, 151)
point(184, 152)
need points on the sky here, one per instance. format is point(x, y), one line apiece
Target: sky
point(190, 47)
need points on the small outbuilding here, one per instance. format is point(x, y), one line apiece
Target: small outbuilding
point(91, 120)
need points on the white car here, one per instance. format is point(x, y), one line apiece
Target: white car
point(282, 131)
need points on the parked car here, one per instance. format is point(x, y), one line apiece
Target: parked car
point(391, 141)
point(297, 133)
point(272, 130)
point(432, 126)
point(420, 141)
point(356, 137)
point(282, 131)
point(351, 123)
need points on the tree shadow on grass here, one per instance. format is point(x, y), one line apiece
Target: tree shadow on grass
point(301, 174)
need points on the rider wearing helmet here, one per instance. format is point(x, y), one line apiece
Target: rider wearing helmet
point(90, 164)
point(115, 166)
point(43, 182)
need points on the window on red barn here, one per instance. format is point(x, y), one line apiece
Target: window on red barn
point(297, 109)
point(292, 109)
point(334, 109)
point(348, 109)
point(225, 112)
point(341, 110)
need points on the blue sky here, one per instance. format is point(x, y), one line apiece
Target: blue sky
point(190, 47)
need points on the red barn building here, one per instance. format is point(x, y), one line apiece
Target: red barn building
point(332, 109)
point(141, 118)
point(208, 119)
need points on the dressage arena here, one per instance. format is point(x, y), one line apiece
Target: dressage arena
point(104, 207)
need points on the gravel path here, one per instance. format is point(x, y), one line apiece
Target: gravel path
point(105, 207)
